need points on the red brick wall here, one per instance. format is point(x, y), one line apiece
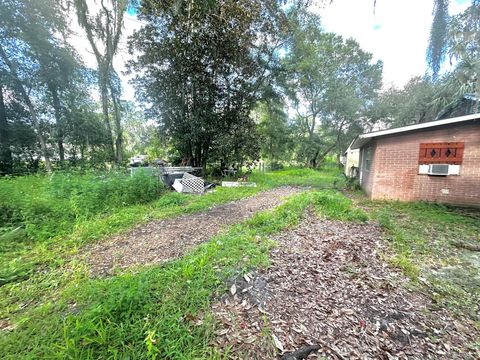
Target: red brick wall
point(395, 169)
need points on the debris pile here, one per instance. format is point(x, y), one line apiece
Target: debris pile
point(238, 183)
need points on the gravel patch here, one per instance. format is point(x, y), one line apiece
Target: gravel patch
point(160, 241)
point(329, 287)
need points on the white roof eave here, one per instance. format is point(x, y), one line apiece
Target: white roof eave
point(363, 139)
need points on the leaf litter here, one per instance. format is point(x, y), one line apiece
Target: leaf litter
point(329, 289)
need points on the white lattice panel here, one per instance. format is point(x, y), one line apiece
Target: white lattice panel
point(192, 184)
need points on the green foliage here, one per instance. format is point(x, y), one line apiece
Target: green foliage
point(459, 37)
point(153, 310)
point(49, 110)
point(37, 209)
point(93, 194)
point(463, 45)
point(314, 178)
point(423, 99)
point(438, 37)
point(330, 82)
point(275, 131)
point(141, 137)
point(49, 206)
point(414, 103)
point(336, 206)
point(201, 64)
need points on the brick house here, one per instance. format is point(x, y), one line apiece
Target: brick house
point(434, 161)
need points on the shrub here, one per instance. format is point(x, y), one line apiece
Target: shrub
point(275, 165)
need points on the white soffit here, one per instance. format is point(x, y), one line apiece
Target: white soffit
point(363, 139)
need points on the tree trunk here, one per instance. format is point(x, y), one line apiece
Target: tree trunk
point(36, 124)
point(5, 152)
point(205, 154)
point(313, 161)
point(87, 144)
point(103, 79)
point(118, 128)
point(325, 153)
point(58, 121)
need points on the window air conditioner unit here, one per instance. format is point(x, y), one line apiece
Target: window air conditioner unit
point(438, 169)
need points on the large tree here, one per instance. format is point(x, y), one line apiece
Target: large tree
point(28, 30)
point(329, 82)
point(103, 31)
point(415, 103)
point(201, 65)
point(458, 37)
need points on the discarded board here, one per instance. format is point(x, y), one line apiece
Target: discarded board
point(177, 185)
point(238, 184)
point(168, 174)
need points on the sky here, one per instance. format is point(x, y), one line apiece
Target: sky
point(395, 31)
point(81, 44)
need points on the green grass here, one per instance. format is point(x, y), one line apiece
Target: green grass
point(152, 312)
point(423, 237)
point(48, 206)
point(37, 212)
point(336, 206)
point(59, 312)
point(44, 216)
point(36, 266)
point(325, 178)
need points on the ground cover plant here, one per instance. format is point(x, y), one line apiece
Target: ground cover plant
point(329, 175)
point(148, 312)
point(27, 249)
point(39, 210)
point(57, 310)
point(65, 210)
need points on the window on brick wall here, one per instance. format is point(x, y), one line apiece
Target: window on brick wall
point(441, 153)
point(367, 158)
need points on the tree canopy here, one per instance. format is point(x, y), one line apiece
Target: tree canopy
point(329, 81)
point(202, 65)
point(218, 82)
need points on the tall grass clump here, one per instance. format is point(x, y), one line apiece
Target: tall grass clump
point(38, 211)
point(336, 206)
point(47, 206)
point(89, 195)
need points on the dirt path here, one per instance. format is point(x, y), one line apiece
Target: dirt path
point(159, 241)
point(328, 286)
